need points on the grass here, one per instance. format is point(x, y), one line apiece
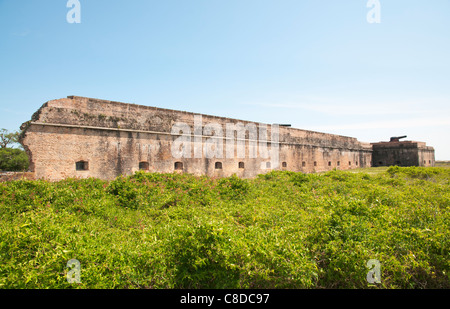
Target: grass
point(370, 170)
point(280, 230)
point(443, 164)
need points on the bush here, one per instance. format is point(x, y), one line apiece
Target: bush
point(233, 187)
point(416, 172)
point(200, 256)
point(279, 230)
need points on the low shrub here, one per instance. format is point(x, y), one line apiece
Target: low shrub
point(279, 230)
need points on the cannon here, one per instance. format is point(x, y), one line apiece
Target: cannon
point(397, 138)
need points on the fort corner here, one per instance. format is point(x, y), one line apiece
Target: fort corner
point(402, 153)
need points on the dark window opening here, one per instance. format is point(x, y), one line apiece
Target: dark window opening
point(356, 163)
point(241, 165)
point(303, 163)
point(284, 164)
point(178, 166)
point(329, 163)
point(349, 163)
point(429, 161)
point(338, 163)
point(82, 166)
point(218, 165)
point(144, 166)
point(315, 163)
point(380, 163)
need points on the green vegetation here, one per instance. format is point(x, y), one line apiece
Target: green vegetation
point(370, 170)
point(7, 138)
point(445, 164)
point(280, 230)
point(13, 160)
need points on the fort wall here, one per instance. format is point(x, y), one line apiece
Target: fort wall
point(114, 138)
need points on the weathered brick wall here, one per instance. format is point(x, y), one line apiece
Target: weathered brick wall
point(9, 176)
point(115, 137)
point(426, 156)
point(406, 153)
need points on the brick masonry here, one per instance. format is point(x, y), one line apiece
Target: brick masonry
point(406, 153)
point(78, 137)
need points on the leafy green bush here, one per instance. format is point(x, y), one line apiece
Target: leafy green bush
point(417, 172)
point(233, 187)
point(279, 230)
point(200, 256)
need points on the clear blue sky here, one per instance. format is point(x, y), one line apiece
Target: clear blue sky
point(315, 64)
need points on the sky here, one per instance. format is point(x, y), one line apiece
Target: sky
point(315, 64)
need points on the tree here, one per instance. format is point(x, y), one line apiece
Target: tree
point(7, 138)
point(13, 160)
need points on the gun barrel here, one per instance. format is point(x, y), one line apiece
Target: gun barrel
point(397, 138)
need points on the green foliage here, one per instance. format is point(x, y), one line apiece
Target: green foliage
point(200, 256)
point(279, 230)
point(234, 187)
point(8, 138)
point(417, 172)
point(13, 160)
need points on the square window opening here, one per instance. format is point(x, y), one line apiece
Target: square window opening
point(144, 166)
point(82, 166)
point(178, 166)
